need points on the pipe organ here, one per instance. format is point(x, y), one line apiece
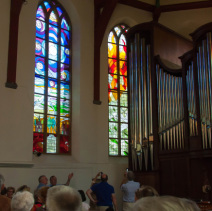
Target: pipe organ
point(170, 115)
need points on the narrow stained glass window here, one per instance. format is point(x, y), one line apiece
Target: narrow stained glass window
point(52, 97)
point(117, 91)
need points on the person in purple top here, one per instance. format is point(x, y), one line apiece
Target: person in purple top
point(104, 193)
point(129, 187)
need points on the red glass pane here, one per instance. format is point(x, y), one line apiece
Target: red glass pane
point(123, 68)
point(112, 66)
point(38, 142)
point(64, 144)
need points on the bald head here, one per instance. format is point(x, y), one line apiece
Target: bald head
point(104, 177)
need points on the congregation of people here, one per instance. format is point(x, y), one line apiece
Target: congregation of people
point(62, 197)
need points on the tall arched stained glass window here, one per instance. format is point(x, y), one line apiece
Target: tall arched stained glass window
point(117, 91)
point(52, 101)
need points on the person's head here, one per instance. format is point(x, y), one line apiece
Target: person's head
point(22, 201)
point(23, 188)
point(64, 198)
point(10, 192)
point(43, 179)
point(104, 177)
point(145, 191)
point(1, 182)
point(53, 180)
point(130, 175)
point(165, 203)
point(42, 194)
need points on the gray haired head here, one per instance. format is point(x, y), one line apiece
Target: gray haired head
point(130, 175)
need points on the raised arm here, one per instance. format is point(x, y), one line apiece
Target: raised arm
point(95, 178)
point(69, 179)
point(124, 180)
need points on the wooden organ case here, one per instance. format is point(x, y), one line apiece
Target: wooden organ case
point(170, 112)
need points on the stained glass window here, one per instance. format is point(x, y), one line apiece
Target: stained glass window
point(52, 99)
point(117, 91)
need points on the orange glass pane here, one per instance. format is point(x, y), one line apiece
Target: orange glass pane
point(112, 98)
point(112, 50)
point(123, 83)
point(123, 52)
point(123, 68)
point(112, 81)
point(112, 66)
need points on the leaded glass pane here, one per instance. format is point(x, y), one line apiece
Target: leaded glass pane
point(112, 97)
point(64, 126)
point(40, 14)
point(112, 66)
point(123, 83)
point(40, 47)
point(53, 34)
point(124, 130)
point(51, 124)
point(117, 30)
point(124, 99)
point(65, 76)
point(52, 69)
point(124, 147)
point(38, 142)
point(53, 51)
point(113, 113)
point(51, 144)
point(64, 91)
point(39, 66)
point(112, 81)
point(113, 130)
point(52, 88)
point(64, 144)
point(47, 5)
point(39, 85)
point(40, 29)
point(65, 37)
point(112, 50)
point(111, 38)
point(124, 114)
point(65, 53)
point(53, 18)
point(38, 103)
point(113, 147)
point(123, 68)
point(65, 25)
point(64, 107)
point(38, 122)
point(123, 52)
point(122, 40)
point(60, 12)
point(52, 105)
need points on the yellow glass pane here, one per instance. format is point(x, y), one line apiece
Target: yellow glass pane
point(123, 68)
point(112, 50)
point(123, 52)
point(112, 66)
point(123, 83)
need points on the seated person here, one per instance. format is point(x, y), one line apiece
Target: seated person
point(145, 191)
point(42, 181)
point(10, 191)
point(23, 188)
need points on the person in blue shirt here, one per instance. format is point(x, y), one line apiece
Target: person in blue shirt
point(53, 180)
point(128, 188)
point(104, 193)
point(42, 181)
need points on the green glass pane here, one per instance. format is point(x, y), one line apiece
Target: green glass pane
point(64, 107)
point(39, 103)
point(112, 97)
point(113, 113)
point(124, 100)
point(124, 130)
point(51, 144)
point(113, 147)
point(52, 105)
point(51, 124)
point(113, 130)
point(38, 123)
point(124, 114)
point(124, 147)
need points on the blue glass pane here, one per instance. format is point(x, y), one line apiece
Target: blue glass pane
point(39, 85)
point(52, 105)
point(64, 24)
point(65, 55)
point(60, 12)
point(65, 76)
point(65, 37)
point(64, 107)
point(40, 47)
point(40, 29)
point(53, 34)
point(64, 90)
point(52, 88)
point(53, 49)
point(39, 103)
point(39, 66)
point(52, 69)
point(40, 14)
point(53, 18)
point(47, 5)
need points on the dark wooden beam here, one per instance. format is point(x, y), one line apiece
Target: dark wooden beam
point(15, 9)
point(186, 6)
point(101, 19)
